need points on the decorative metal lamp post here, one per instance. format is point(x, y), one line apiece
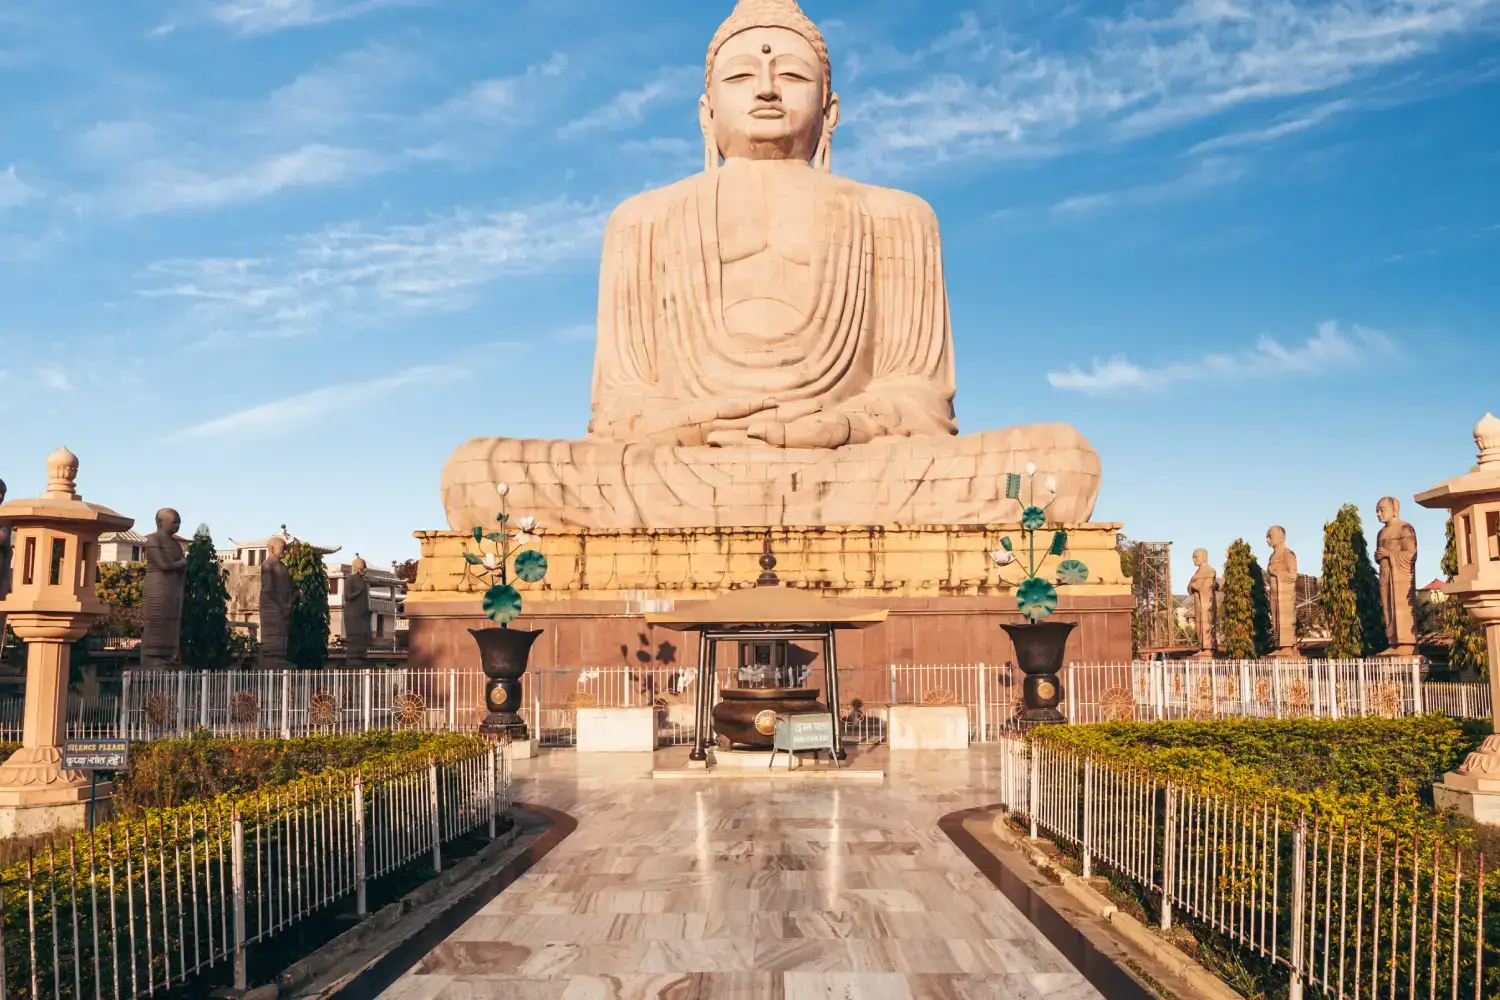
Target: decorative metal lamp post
point(51, 605)
point(1473, 500)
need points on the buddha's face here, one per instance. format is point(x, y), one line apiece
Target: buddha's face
point(168, 520)
point(1276, 538)
point(1200, 557)
point(765, 98)
point(1385, 511)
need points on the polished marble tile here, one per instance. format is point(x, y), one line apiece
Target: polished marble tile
point(749, 890)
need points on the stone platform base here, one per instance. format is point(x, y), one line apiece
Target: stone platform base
point(35, 812)
point(945, 596)
point(1473, 798)
point(616, 730)
point(928, 727)
point(750, 764)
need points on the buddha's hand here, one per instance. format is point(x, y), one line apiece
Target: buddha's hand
point(691, 422)
point(798, 425)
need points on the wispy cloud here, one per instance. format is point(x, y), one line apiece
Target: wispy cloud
point(355, 274)
point(1207, 173)
point(1142, 75)
point(629, 107)
point(302, 412)
point(1301, 122)
point(256, 17)
point(1329, 349)
point(14, 191)
point(154, 186)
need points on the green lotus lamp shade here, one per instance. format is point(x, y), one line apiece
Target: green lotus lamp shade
point(1036, 598)
point(502, 603)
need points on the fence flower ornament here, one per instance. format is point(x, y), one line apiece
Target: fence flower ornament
point(244, 708)
point(322, 709)
point(1036, 596)
point(500, 552)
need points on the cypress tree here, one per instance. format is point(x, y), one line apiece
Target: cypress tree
point(1237, 604)
point(1260, 599)
point(205, 606)
point(307, 632)
point(1350, 589)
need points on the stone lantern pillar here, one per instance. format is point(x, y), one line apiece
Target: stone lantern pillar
point(51, 604)
point(1473, 500)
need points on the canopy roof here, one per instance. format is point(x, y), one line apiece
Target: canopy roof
point(766, 605)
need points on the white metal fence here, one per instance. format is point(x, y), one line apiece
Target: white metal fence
point(93, 716)
point(1354, 911)
point(157, 703)
point(140, 905)
point(1197, 689)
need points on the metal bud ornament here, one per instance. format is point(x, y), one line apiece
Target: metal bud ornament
point(1036, 596)
point(506, 552)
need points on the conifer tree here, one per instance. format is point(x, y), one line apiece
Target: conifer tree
point(1237, 604)
point(204, 642)
point(307, 632)
point(1260, 599)
point(1350, 589)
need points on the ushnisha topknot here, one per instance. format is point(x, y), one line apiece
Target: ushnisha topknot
point(749, 14)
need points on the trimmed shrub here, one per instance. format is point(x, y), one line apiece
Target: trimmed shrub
point(167, 773)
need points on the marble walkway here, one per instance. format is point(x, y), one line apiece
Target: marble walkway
point(750, 889)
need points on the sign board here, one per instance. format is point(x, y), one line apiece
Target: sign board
point(808, 731)
point(95, 755)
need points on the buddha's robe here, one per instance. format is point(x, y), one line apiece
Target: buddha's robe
point(842, 310)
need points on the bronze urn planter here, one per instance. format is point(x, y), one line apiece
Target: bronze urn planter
point(503, 654)
point(1040, 647)
point(746, 717)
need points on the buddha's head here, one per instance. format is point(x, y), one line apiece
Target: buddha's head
point(1200, 557)
point(768, 87)
point(1388, 510)
point(1276, 537)
point(358, 565)
point(275, 547)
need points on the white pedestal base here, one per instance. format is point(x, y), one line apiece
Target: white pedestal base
point(36, 811)
point(616, 730)
point(1477, 799)
point(928, 727)
point(522, 749)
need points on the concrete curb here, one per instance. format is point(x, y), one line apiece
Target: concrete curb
point(1093, 901)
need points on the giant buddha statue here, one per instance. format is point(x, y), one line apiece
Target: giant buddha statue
point(773, 340)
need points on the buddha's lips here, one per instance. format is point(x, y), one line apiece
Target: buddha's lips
point(767, 112)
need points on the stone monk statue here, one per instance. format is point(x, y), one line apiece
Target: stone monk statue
point(773, 340)
point(275, 606)
point(356, 614)
point(1204, 589)
point(161, 594)
point(1281, 589)
point(1396, 556)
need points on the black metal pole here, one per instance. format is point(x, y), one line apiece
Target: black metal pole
point(698, 702)
point(831, 663)
point(93, 784)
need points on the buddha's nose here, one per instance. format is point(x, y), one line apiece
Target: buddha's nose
point(765, 84)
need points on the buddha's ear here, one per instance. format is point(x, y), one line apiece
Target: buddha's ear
point(824, 157)
point(706, 123)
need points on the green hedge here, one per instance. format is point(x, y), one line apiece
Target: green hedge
point(1356, 756)
point(166, 773)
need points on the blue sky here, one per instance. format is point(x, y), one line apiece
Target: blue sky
point(270, 261)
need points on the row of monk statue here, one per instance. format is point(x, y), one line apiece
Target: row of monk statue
point(166, 576)
point(1395, 557)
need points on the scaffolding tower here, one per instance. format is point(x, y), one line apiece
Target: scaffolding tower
point(1154, 625)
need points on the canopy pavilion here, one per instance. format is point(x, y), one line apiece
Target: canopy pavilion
point(767, 612)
